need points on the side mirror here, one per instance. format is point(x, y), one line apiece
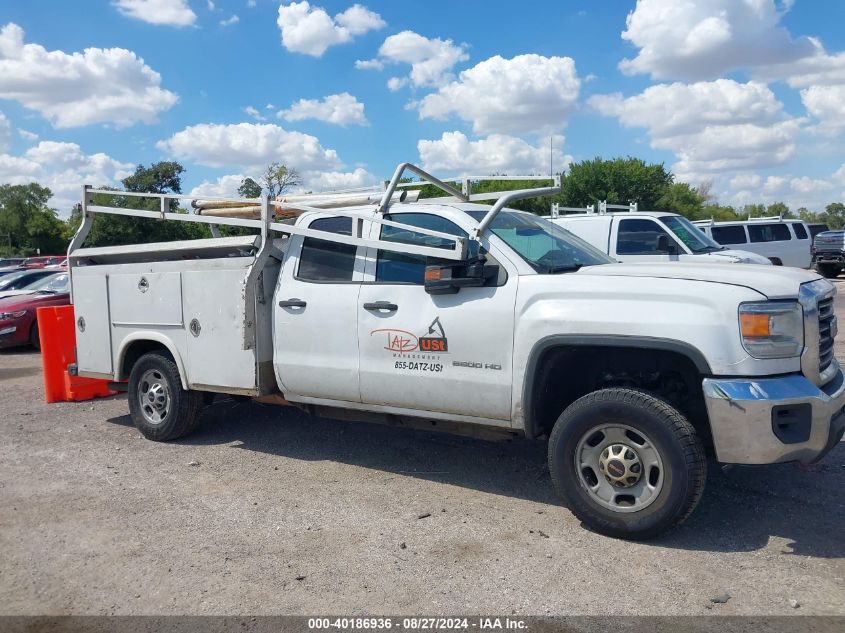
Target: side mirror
point(443, 279)
point(665, 245)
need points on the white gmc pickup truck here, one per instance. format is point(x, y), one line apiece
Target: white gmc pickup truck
point(460, 316)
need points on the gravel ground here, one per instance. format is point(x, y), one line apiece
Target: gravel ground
point(268, 511)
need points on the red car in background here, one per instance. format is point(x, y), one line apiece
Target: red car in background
point(44, 261)
point(18, 324)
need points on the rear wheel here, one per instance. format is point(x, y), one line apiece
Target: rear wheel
point(830, 271)
point(627, 463)
point(34, 339)
point(160, 408)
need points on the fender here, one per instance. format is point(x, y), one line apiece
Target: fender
point(158, 337)
point(599, 340)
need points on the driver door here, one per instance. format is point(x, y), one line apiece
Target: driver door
point(449, 353)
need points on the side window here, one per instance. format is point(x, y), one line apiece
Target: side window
point(403, 268)
point(769, 232)
point(640, 236)
point(800, 231)
point(729, 234)
point(321, 260)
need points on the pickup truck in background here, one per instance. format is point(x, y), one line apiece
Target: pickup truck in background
point(466, 317)
point(651, 236)
point(829, 253)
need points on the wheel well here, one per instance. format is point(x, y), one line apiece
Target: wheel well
point(564, 373)
point(776, 261)
point(135, 350)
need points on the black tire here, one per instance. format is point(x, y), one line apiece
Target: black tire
point(669, 435)
point(180, 416)
point(829, 271)
point(34, 339)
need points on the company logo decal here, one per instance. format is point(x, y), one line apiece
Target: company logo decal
point(433, 341)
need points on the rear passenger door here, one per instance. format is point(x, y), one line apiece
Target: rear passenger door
point(773, 240)
point(316, 313)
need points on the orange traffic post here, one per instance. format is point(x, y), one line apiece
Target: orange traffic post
point(57, 334)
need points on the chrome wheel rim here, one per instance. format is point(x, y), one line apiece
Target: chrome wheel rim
point(153, 396)
point(619, 467)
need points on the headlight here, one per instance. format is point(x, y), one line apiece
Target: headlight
point(8, 316)
point(772, 330)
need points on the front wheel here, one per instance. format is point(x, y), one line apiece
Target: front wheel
point(830, 271)
point(160, 408)
point(627, 464)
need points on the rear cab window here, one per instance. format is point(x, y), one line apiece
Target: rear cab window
point(325, 261)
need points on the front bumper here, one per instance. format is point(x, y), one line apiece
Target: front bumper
point(771, 420)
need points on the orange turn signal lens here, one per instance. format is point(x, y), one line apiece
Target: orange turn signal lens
point(755, 325)
point(433, 274)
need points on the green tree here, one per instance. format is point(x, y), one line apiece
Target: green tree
point(779, 208)
point(278, 178)
point(618, 181)
point(679, 197)
point(27, 224)
point(834, 215)
point(249, 189)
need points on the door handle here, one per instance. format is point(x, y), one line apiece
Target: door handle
point(381, 305)
point(292, 303)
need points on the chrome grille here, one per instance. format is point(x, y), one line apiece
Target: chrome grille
point(827, 331)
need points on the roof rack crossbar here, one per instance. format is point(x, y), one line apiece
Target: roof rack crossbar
point(397, 176)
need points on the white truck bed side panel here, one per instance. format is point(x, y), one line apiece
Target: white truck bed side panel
point(91, 310)
point(213, 306)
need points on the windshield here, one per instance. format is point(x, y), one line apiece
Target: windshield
point(693, 237)
point(57, 283)
point(545, 246)
point(7, 281)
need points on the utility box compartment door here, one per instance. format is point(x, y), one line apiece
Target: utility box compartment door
point(146, 299)
point(214, 320)
point(93, 332)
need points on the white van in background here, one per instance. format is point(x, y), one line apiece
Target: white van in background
point(784, 242)
point(630, 235)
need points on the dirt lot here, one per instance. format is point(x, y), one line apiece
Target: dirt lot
point(268, 511)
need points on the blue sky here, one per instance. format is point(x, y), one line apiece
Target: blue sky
point(747, 96)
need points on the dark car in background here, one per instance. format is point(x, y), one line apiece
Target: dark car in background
point(8, 262)
point(18, 322)
point(20, 279)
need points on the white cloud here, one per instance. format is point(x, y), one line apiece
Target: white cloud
point(222, 187)
point(210, 5)
point(334, 180)
point(806, 185)
point(251, 3)
point(254, 113)
point(64, 168)
point(497, 153)
point(700, 39)
point(827, 104)
point(369, 64)
point(310, 30)
point(169, 12)
point(340, 109)
point(249, 145)
point(5, 132)
point(711, 127)
point(526, 93)
point(111, 85)
point(26, 134)
point(230, 21)
point(839, 175)
point(431, 59)
point(746, 181)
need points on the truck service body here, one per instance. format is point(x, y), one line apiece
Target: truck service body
point(469, 316)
